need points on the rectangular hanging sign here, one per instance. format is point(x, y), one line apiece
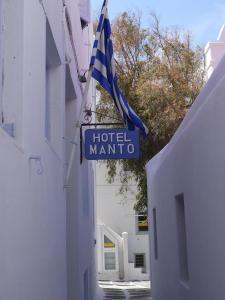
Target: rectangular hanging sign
point(114, 143)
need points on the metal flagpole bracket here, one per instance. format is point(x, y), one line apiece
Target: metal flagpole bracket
point(92, 125)
point(82, 77)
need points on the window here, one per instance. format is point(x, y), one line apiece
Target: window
point(11, 62)
point(108, 243)
point(155, 234)
point(110, 254)
point(86, 285)
point(139, 260)
point(47, 105)
point(182, 238)
point(110, 260)
point(142, 223)
point(53, 90)
point(70, 90)
point(86, 195)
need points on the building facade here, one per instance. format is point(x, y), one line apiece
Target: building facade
point(47, 224)
point(186, 188)
point(122, 234)
point(214, 51)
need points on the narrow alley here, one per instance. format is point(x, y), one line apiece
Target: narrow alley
point(109, 290)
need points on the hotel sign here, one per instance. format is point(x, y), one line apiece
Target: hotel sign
point(114, 143)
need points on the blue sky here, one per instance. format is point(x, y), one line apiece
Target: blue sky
point(203, 18)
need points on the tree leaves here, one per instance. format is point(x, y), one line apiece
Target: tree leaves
point(160, 74)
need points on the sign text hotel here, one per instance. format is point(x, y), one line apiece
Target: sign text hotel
point(114, 143)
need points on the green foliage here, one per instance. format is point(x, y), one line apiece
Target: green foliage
point(160, 74)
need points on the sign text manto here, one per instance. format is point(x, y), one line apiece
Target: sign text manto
point(114, 143)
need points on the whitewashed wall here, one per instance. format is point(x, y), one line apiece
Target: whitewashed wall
point(214, 51)
point(186, 202)
point(47, 236)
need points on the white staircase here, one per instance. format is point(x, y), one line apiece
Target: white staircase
point(125, 270)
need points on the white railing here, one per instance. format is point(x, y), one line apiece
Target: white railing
point(126, 270)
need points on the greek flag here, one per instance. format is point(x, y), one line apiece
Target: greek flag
point(103, 70)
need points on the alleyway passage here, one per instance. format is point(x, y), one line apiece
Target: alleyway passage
point(125, 290)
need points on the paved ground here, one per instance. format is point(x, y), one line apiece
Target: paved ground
point(124, 290)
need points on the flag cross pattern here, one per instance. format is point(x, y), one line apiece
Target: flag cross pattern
point(103, 70)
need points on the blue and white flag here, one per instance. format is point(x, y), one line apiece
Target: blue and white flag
point(103, 70)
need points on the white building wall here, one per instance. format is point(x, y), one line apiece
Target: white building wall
point(186, 202)
point(81, 213)
point(214, 51)
point(118, 214)
point(85, 10)
point(47, 237)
